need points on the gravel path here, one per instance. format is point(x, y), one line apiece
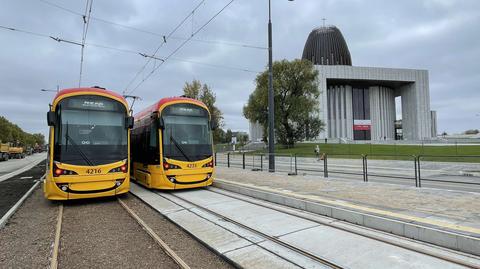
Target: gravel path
point(190, 250)
point(25, 242)
point(99, 233)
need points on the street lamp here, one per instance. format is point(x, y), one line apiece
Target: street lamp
point(271, 102)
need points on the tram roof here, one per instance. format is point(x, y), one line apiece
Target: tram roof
point(90, 90)
point(156, 106)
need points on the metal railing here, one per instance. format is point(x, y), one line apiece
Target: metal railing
point(436, 171)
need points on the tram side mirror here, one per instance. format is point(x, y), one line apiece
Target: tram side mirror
point(161, 124)
point(213, 125)
point(129, 122)
point(51, 118)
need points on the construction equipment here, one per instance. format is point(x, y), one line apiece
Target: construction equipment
point(4, 151)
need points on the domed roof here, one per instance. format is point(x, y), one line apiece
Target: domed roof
point(326, 46)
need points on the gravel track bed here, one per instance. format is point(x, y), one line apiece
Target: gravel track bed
point(99, 233)
point(25, 242)
point(189, 249)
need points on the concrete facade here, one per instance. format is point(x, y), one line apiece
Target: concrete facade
point(384, 84)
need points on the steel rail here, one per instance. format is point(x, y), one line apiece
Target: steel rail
point(154, 236)
point(56, 242)
point(261, 234)
point(363, 234)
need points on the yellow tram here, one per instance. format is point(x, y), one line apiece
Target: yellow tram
point(172, 145)
point(88, 153)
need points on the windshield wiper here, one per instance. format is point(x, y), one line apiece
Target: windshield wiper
point(179, 147)
point(79, 150)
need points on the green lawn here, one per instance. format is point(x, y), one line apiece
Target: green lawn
point(376, 151)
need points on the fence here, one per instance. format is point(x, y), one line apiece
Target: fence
point(418, 170)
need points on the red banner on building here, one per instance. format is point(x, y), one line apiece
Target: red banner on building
point(362, 125)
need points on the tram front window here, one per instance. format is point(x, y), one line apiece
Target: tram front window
point(91, 131)
point(186, 133)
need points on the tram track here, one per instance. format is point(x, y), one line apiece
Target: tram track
point(266, 237)
point(192, 206)
point(417, 246)
point(167, 249)
point(56, 246)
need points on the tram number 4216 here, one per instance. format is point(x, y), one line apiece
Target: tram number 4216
point(94, 171)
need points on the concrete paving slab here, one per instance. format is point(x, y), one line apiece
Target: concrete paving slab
point(213, 235)
point(258, 258)
point(161, 205)
point(254, 238)
point(354, 251)
point(264, 219)
point(435, 206)
point(292, 256)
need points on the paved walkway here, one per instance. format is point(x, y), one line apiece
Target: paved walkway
point(451, 210)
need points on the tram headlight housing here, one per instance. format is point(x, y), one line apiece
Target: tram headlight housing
point(62, 172)
point(121, 169)
point(209, 164)
point(168, 166)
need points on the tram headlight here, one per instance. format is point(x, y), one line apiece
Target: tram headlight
point(62, 172)
point(209, 164)
point(167, 166)
point(123, 168)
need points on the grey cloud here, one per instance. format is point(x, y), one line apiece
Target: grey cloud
point(438, 35)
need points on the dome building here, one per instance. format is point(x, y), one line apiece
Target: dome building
point(326, 46)
point(358, 103)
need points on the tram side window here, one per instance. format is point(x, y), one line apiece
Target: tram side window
point(153, 149)
point(145, 144)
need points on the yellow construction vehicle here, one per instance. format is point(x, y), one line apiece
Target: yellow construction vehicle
point(4, 151)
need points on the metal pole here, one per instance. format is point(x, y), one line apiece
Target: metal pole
point(261, 162)
point(366, 169)
point(228, 159)
point(271, 105)
point(243, 160)
point(419, 177)
point(416, 175)
point(215, 159)
point(325, 166)
point(296, 170)
point(363, 167)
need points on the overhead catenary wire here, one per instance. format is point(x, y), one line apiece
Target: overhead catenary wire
point(144, 31)
point(128, 51)
point(86, 23)
point(183, 44)
point(164, 40)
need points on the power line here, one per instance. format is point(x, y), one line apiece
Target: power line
point(129, 51)
point(161, 44)
point(183, 44)
point(58, 39)
point(219, 42)
point(86, 23)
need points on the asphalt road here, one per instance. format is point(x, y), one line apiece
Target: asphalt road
point(12, 189)
point(15, 164)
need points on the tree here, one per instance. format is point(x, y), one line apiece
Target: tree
point(296, 101)
point(12, 133)
point(228, 136)
point(203, 93)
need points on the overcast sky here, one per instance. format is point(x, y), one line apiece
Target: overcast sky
point(441, 36)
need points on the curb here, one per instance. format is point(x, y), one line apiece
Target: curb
point(416, 231)
point(21, 170)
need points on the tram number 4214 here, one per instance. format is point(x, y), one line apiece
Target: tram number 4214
point(94, 171)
